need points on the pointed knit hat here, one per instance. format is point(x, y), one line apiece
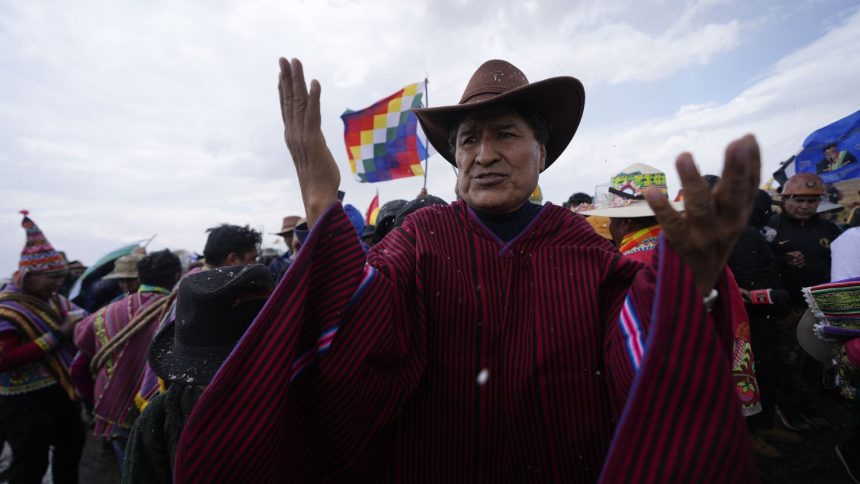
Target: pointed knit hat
point(38, 254)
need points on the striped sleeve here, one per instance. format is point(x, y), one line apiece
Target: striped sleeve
point(85, 335)
point(328, 362)
point(681, 421)
point(627, 324)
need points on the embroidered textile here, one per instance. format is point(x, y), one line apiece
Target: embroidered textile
point(120, 370)
point(35, 320)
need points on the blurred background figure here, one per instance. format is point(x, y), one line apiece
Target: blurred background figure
point(125, 274)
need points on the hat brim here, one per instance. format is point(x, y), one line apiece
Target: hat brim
point(558, 100)
point(824, 207)
point(634, 210)
point(816, 347)
point(802, 193)
point(170, 364)
point(120, 275)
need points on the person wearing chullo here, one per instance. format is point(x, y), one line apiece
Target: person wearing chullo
point(213, 310)
point(480, 341)
point(38, 403)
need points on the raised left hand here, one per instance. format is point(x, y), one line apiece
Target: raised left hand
point(704, 234)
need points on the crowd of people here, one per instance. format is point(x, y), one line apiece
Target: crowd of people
point(624, 337)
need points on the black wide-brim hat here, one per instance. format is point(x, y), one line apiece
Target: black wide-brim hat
point(558, 100)
point(214, 308)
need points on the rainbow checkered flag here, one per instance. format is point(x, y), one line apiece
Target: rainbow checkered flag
point(383, 141)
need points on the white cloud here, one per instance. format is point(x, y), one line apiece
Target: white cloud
point(619, 53)
point(802, 92)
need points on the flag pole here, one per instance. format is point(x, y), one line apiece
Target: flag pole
point(426, 147)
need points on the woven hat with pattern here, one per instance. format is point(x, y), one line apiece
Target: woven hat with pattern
point(38, 254)
point(624, 196)
point(837, 306)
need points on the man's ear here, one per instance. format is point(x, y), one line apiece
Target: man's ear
point(232, 259)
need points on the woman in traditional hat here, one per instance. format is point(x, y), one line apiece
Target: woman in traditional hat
point(480, 342)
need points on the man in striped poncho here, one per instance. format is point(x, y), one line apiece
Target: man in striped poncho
point(112, 345)
point(480, 342)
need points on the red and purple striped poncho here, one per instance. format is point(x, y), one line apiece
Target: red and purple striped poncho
point(447, 355)
point(119, 378)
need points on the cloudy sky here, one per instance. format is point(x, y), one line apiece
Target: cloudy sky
point(121, 120)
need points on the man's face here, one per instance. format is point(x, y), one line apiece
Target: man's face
point(288, 239)
point(830, 153)
point(295, 245)
point(44, 284)
point(801, 207)
point(241, 259)
point(249, 257)
point(618, 228)
point(499, 160)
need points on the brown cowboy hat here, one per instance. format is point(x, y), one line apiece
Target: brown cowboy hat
point(558, 100)
point(288, 225)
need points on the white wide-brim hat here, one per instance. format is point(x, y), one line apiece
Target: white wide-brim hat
point(639, 208)
point(624, 196)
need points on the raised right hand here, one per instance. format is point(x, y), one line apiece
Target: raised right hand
point(319, 177)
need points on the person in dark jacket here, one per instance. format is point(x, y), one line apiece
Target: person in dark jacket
point(756, 272)
point(802, 241)
point(801, 244)
point(215, 308)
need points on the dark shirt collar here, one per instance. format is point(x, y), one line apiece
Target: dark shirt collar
point(506, 226)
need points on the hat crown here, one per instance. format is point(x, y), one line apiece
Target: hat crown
point(494, 77)
point(289, 223)
point(804, 184)
point(215, 307)
point(634, 179)
point(624, 195)
point(129, 262)
point(38, 255)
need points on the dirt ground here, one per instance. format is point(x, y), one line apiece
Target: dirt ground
point(98, 464)
point(814, 461)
